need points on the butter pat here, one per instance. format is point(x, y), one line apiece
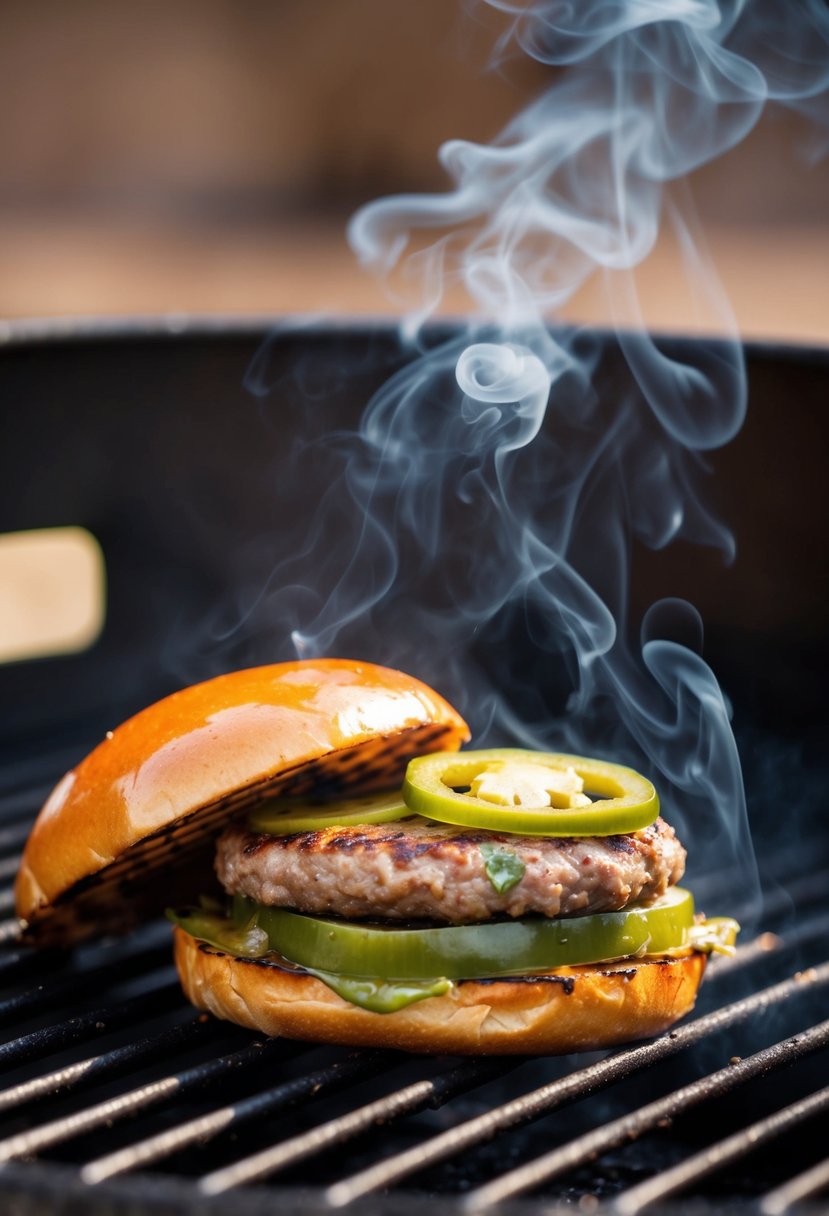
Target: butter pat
point(511, 783)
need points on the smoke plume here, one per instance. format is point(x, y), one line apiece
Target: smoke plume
point(491, 487)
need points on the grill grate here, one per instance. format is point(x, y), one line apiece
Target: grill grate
point(658, 1114)
point(577, 1084)
point(130, 1101)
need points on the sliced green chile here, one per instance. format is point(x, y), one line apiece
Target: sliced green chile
point(626, 801)
point(282, 817)
point(346, 948)
point(237, 936)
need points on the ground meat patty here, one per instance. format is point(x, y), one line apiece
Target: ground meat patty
point(414, 869)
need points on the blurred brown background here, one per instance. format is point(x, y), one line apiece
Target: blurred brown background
point(203, 156)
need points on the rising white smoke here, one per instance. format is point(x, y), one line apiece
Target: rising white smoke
point(499, 480)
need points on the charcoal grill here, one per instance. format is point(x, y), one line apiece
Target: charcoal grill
point(115, 1096)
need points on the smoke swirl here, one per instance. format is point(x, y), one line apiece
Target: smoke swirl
point(488, 486)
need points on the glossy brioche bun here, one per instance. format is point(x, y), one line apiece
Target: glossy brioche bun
point(570, 1009)
point(131, 829)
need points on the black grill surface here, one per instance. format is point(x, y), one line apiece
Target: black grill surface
point(114, 1091)
point(116, 1096)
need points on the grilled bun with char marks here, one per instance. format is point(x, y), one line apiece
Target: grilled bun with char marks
point(131, 828)
point(570, 1009)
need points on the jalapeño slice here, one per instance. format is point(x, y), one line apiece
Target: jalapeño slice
point(520, 947)
point(282, 817)
point(439, 786)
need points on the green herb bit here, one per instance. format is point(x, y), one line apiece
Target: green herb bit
point(503, 868)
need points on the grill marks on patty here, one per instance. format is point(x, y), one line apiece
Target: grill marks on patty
point(403, 845)
point(415, 869)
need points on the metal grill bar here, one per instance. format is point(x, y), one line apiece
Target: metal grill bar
point(802, 1186)
point(77, 983)
point(21, 802)
point(579, 1084)
point(25, 1144)
point(9, 930)
point(721, 1154)
point(9, 866)
point(16, 966)
point(154, 1148)
point(108, 1064)
point(24, 782)
point(164, 994)
point(13, 836)
point(629, 1127)
point(403, 1101)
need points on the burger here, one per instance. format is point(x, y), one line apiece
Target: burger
point(339, 871)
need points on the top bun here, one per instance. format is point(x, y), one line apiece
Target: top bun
point(156, 791)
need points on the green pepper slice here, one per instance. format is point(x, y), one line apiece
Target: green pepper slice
point(282, 817)
point(438, 787)
point(240, 937)
point(503, 948)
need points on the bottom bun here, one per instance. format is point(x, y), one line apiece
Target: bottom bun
point(570, 1009)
